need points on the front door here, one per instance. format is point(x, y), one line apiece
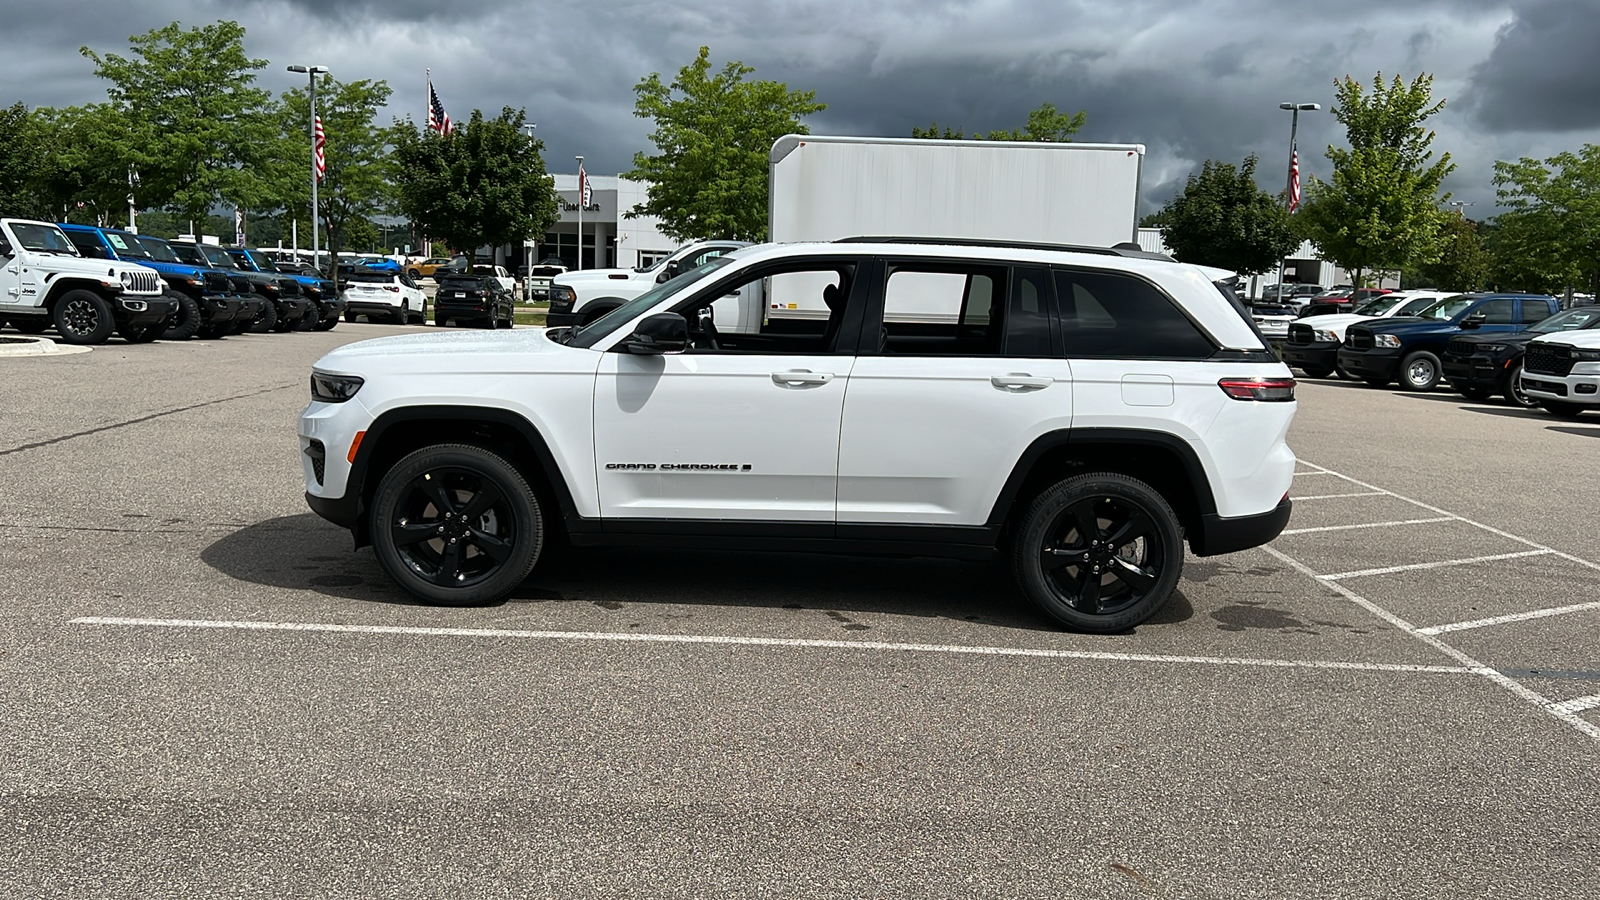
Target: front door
point(742, 426)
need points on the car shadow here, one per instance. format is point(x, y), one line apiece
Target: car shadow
point(1510, 412)
point(1580, 432)
point(303, 552)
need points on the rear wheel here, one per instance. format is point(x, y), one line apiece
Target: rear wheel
point(1317, 373)
point(1100, 552)
point(403, 317)
point(456, 525)
point(1564, 410)
point(83, 317)
point(1419, 371)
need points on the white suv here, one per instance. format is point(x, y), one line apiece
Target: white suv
point(1561, 372)
point(384, 296)
point(1083, 412)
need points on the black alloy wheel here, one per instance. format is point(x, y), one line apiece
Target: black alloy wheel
point(456, 525)
point(1099, 553)
point(1514, 392)
point(83, 317)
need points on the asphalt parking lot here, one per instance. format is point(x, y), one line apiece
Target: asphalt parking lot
point(206, 693)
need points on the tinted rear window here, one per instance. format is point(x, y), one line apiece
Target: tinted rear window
point(371, 278)
point(459, 283)
point(1110, 315)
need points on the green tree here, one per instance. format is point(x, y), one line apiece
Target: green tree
point(1381, 210)
point(1045, 125)
point(87, 163)
point(1463, 263)
point(197, 128)
point(1222, 218)
point(483, 184)
point(1550, 230)
point(357, 183)
point(713, 134)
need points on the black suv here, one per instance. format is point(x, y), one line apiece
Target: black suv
point(1479, 366)
point(473, 298)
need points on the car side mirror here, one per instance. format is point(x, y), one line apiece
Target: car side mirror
point(5, 247)
point(658, 334)
point(1474, 320)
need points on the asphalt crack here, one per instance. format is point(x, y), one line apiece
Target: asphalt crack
point(135, 421)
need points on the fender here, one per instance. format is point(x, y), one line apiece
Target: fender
point(1083, 438)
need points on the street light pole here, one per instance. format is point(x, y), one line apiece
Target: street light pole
point(1288, 198)
point(527, 278)
point(580, 214)
point(311, 73)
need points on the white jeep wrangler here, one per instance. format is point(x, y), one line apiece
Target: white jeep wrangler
point(44, 281)
point(1084, 412)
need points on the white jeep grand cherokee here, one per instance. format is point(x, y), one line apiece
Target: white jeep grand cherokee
point(1083, 412)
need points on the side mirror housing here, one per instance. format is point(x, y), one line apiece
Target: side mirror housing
point(1474, 320)
point(658, 334)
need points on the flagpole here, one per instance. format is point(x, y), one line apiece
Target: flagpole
point(580, 213)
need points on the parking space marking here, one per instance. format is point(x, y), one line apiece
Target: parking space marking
point(1301, 474)
point(1513, 617)
point(1579, 704)
point(621, 637)
point(1441, 564)
point(1366, 525)
point(1339, 496)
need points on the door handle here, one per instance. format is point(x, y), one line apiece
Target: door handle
point(801, 377)
point(1017, 382)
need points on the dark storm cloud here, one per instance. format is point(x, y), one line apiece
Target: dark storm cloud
point(1542, 75)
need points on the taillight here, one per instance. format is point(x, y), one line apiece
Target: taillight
point(1269, 389)
point(392, 287)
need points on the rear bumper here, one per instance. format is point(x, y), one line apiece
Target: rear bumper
point(1229, 535)
point(1311, 356)
point(461, 311)
point(365, 308)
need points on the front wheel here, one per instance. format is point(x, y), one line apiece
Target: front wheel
point(268, 320)
point(1564, 410)
point(1419, 371)
point(83, 317)
point(184, 323)
point(1514, 392)
point(456, 525)
point(1099, 553)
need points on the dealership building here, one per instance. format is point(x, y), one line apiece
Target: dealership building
point(608, 240)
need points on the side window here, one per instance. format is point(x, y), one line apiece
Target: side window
point(88, 244)
point(1028, 315)
point(705, 257)
point(944, 310)
point(1496, 312)
point(794, 311)
point(1111, 315)
point(1534, 311)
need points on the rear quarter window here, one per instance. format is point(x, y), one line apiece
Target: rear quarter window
point(1109, 315)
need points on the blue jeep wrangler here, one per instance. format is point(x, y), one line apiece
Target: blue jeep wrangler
point(1410, 349)
point(326, 304)
point(207, 305)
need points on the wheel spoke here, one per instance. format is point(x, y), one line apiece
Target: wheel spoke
point(1134, 577)
point(494, 547)
point(1088, 591)
point(435, 489)
point(408, 533)
point(449, 565)
point(1138, 525)
point(488, 495)
point(1083, 516)
point(1052, 558)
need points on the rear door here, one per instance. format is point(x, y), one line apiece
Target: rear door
point(959, 372)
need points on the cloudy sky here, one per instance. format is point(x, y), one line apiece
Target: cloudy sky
point(1191, 80)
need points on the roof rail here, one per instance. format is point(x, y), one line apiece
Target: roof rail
point(1126, 249)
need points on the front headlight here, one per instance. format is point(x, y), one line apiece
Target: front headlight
point(1385, 340)
point(1323, 335)
point(127, 277)
point(334, 388)
point(1493, 348)
point(561, 295)
point(1585, 355)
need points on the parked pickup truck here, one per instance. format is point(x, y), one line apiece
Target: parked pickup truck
point(578, 298)
point(1410, 349)
point(1313, 345)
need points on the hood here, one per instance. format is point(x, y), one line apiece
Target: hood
point(1410, 325)
point(596, 277)
point(1586, 338)
point(454, 352)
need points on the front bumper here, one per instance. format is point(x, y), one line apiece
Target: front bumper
point(1578, 389)
point(1313, 356)
point(1482, 372)
point(1379, 362)
point(219, 309)
point(1218, 534)
point(140, 310)
point(291, 309)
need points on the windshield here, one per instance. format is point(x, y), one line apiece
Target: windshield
point(587, 335)
point(127, 245)
point(262, 262)
point(1414, 307)
point(43, 239)
point(1447, 308)
point(159, 250)
point(1571, 320)
point(1377, 307)
point(219, 257)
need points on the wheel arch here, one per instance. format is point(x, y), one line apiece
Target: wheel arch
point(1164, 461)
point(399, 432)
point(599, 306)
point(60, 285)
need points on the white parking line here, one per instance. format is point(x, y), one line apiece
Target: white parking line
point(1441, 564)
point(1302, 474)
point(1513, 617)
point(1367, 525)
point(1339, 496)
point(764, 642)
point(1579, 704)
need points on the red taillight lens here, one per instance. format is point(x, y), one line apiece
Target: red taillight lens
point(392, 287)
point(1268, 389)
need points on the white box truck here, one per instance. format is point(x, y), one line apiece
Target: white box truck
point(828, 188)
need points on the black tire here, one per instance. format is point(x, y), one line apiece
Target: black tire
point(141, 334)
point(1475, 394)
point(1317, 373)
point(1062, 555)
point(214, 332)
point(328, 323)
point(284, 326)
point(267, 321)
point(350, 316)
point(83, 317)
point(413, 274)
point(310, 320)
point(403, 317)
point(31, 325)
point(414, 543)
point(183, 324)
point(1420, 371)
point(1564, 410)
point(1514, 393)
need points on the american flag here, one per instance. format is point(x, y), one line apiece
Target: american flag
point(584, 192)
point(318, 141)
point(438, 119)
point(1294, 180)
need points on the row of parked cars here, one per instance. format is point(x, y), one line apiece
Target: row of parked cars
point(1522, 347)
